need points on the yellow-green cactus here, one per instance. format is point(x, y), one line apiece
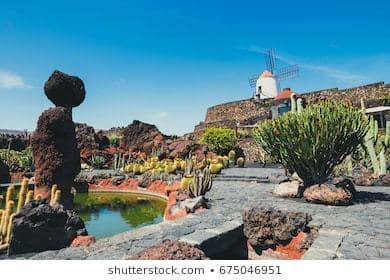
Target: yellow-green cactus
point(9, 229)
point(240, 162)
point(187, 181)
point(29, 197)
point(10, 193)
point(215, 168)
point(22, 194)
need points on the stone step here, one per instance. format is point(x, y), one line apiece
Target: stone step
point(228, 178)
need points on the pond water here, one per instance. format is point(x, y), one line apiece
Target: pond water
point(107, 214)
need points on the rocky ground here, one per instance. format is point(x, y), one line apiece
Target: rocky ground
point(358, 231)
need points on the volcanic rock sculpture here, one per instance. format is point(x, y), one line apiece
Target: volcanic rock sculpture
point(54, 146)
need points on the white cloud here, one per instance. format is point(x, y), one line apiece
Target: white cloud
point(9, 80)
point(335, 73)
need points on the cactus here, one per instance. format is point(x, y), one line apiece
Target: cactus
point(118, 162)
point(54, 189)
point(189, 166)
point(293, 103)
point(216, 168)
point(349, 165)
point(10, 193)
point(29, 197)
point(225, 162)
point(57, 198)
point(313, 142)
point(6, 217)
point(22, 195)
point(202, 183)
point(9, 229)
point(240, 162)
point(378, 162)
point(232, 158)
point(299, 105)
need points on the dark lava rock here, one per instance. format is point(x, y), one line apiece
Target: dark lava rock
point(180, 148)
point(81, 185)
point(266, 227)
point(65, 90)
point(182, 195)
point(117, 180)
point(384, 180)
point(140, 136)
point(56, 157)
point(338, 193)
point(39, 227)
point(171, 250)
point(5, 177)
point(192, 204)
point(145, 180)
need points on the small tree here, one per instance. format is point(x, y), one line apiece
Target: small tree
point(315, 140)
point(219, 140)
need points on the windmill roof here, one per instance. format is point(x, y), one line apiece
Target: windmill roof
point(266, 74)
point(286, 94)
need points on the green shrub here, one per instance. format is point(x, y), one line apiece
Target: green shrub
point(315, 140)
point(97, 161)
point(219, 140)
point(114, 140)
point(18, 161)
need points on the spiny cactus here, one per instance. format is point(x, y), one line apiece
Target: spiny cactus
point(189, 166)
point(29, 197)
point(314, 141)
point(22, 194)
point(119, 162)
point(9, 229)
point(378, 161)
point(202, 183)
point(57, 197)
point(240, 162)
point(10, 193)
point(232, 158)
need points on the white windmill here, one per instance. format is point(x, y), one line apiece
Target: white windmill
point(267, 83)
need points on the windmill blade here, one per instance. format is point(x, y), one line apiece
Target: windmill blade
point(270, 60)
point(288, 72)
point(252, 80)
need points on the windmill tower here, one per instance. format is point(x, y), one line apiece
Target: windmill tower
point(267, 83)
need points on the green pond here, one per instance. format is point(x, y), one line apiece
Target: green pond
point(108, 213)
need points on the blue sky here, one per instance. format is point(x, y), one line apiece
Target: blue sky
point(165, 62)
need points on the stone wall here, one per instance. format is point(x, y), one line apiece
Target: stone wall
point(371, 91)
point(251, 109)
point(238, 110)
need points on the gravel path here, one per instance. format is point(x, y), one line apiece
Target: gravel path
point(360, 231)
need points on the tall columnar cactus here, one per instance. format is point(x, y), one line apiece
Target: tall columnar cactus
point(378, 161)
point(189, 166)
point(314, 141)
point(10, 193)
point(293, 103)
point(202, 183)
point(232, 158)
point(29, 197)
point(299, 105)
point(22, 194)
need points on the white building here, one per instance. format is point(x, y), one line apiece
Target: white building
point(266, 86)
